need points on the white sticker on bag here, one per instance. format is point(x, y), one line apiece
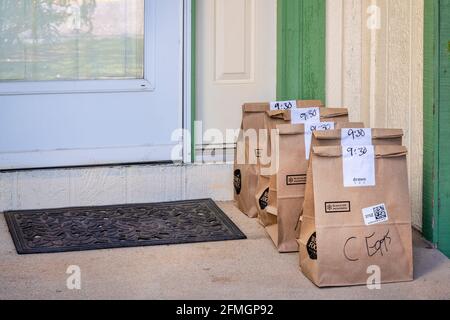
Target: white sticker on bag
point(305, 115)
point(359, 166)
point(283, 105)
point(375, 214)
point(356, 137)
point(310, 128)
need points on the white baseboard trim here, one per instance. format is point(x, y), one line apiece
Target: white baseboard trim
point(57, 188)
point(217, 153)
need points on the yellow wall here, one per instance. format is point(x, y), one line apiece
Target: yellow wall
point(378, 73)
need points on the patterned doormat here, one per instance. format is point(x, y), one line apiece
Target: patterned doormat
point(92, 228)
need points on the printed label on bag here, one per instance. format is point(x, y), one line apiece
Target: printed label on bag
point(337, 207)
point(283, 105)
point(359, 166)
point(237, 181)
point(296, 179)
point(311, 247)
point(375, 214)
point(310, 128)
point(305, 115)
point(356, 137)
point(264, 200)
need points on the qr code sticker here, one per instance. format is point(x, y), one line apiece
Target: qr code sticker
point(375, 214)
point(380, 212)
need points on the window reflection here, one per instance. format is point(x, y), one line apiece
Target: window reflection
point(71, 39)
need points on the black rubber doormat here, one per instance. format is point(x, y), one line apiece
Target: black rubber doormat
point(107, 227)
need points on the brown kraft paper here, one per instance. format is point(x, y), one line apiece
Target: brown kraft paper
point(330, 138)
point(287, 186)
point(250, 148)
point(337, 248)
point(273, 119)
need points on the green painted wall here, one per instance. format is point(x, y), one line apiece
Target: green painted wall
point(436, 219)
point(301, 49)
point(430, 191)
point(444, 127)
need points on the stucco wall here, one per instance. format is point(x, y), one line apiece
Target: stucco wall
point(378, 72)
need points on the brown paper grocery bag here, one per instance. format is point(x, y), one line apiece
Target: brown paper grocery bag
point(333, 138)
point(268, 185)
point(287, 185)
point(250, 148)
point(347, 232)
point(246, 163)
point(287, 188)
point(273, 119)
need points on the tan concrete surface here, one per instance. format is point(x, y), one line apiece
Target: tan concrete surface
point(249, 269)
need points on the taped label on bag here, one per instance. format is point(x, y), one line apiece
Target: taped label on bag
point(359, 166)
point(375, 214)
point(305, 115)
point(356, 137)
point(310, 128)
point(283, 105)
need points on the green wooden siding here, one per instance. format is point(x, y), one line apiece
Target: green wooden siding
point(436, 219)
point(430, 189)
point(301, 49)
point(444, 127)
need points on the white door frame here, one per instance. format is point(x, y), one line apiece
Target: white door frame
point(187, 81)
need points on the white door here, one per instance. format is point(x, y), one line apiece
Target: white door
point(89, 82)
point(236, 63)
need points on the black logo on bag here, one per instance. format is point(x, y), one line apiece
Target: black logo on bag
point(296, 180)
point(264, 200)
point(338, 207)
point(237, 181)
point(311, 247)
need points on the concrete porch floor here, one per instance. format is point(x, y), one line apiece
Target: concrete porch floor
point(249, 269)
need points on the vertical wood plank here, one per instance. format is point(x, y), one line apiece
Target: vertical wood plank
point(313, 57)
point(301, 49)
point(334, 52)
point(382, 66)
point(368, 67)
point(416, 110)
point(431, 67)
point(352, 62)
point(399, 65)
point(444, 127)
point(400, 73)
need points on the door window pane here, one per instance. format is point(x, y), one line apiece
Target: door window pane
point(71, 39)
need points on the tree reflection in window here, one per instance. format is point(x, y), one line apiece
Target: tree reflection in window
point(71, 39)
